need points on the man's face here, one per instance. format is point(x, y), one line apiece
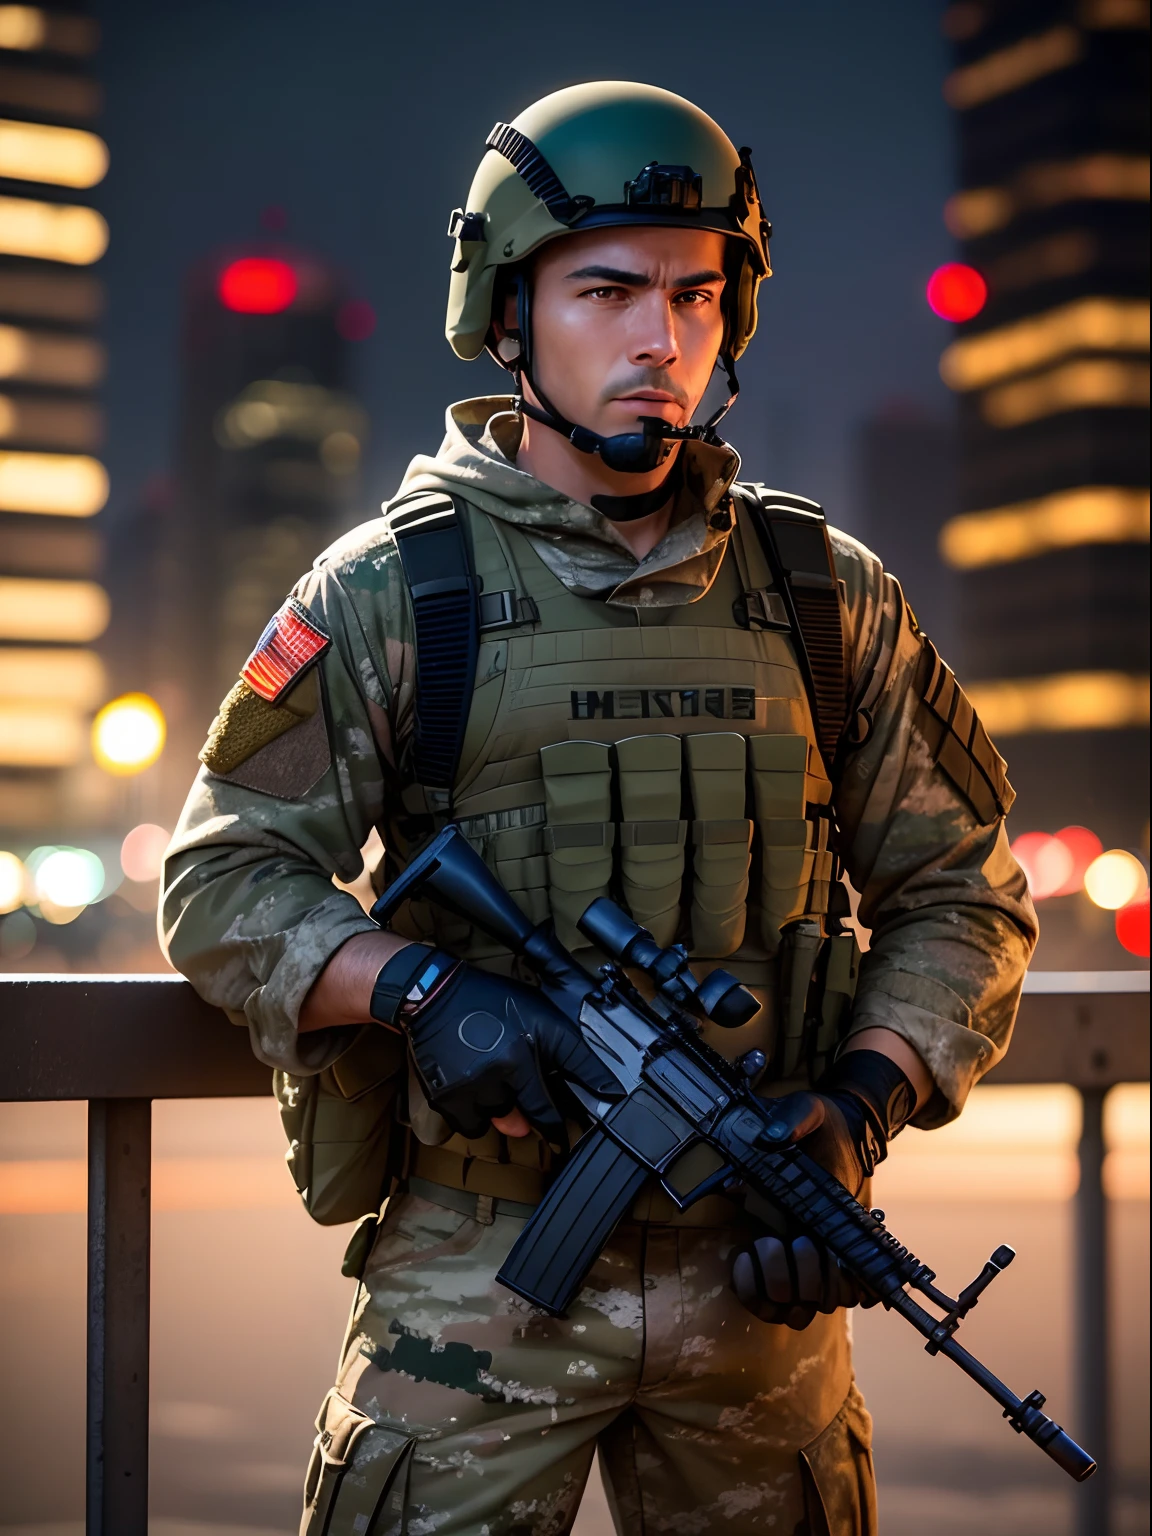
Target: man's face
point(627, 323)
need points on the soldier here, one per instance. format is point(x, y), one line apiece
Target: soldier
point(615, 668)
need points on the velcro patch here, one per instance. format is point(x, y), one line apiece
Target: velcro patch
point(246, 723)
point(291, 642)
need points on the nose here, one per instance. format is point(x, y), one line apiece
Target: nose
point(653, 341)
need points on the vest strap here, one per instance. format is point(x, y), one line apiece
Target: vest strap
point(433, 546)
point(794, 537)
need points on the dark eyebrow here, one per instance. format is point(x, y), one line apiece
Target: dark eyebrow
point(642, 280)
point(614, 275)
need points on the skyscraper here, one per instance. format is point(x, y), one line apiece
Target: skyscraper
point(52, 483)
point(1051, 539)
point(269, 440)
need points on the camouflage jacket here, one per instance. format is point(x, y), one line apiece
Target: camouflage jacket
point(250, 914)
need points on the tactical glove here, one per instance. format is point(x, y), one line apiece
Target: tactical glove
point(789, 1280)
point(845, 1124)
point(484, 1045)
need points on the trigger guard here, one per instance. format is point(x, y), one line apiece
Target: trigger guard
point(712, 1185)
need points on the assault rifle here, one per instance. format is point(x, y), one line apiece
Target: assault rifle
point(689, 1118)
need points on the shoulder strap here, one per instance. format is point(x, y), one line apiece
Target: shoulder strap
point(450, 613)
point(433, 547)
point(793, 534)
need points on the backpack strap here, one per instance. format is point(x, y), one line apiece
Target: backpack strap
point(450, 614)
point(793, 535)
point(433, 546)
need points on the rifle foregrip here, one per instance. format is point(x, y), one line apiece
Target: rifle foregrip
point(563, 1238)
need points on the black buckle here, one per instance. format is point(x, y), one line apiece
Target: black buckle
point(466, 226)
point(761, 610)
point(502, 610)
point(665, 186)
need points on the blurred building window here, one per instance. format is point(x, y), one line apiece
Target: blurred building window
point(1093, 514)
point(56, 484)
point(38, 609)
point(1070, 701)
point(60, 157)
point(28, 28)
point(1010, 68)
point(52, 231)
point(1086, 325)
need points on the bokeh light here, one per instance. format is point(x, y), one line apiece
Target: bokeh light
point(69, 878)
point(142, 851)
point(257, 285)
point(128, 734)
point(1115, 879)
point(1132, 927)
point(1083, 846)
point(11, 882)
point(1047, 863)
point(956, 291)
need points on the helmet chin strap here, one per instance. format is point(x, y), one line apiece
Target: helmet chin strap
point(627, 453)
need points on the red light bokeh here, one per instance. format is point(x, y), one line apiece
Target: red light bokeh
point(1084, 846)
point(257, 285)
point(1132, 927)
point(356, 320)
point(956, 292)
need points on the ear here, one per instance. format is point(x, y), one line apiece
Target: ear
point(504, 324)
point(506, 334)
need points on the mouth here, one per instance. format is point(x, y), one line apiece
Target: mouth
point(651, 396)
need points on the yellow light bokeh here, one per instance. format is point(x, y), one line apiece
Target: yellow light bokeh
point(1092, 324)
point(1090, 514)
point(1065, 701)
point(976, 211)
point(53, 484)
point(1088, 383)
point(61, 157)
point(69, 878)
point(12, 882)
point(128, 734)
point(1010, 68)
point(1114, 879)
point(37, 608)
point(40, 735)
point(43, 357)
point(52, 231)
point(22, 27)
point(61, 676)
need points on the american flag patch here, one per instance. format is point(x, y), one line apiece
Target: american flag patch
point(291, 641)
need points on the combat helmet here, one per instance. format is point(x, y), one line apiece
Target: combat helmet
point(608, 152)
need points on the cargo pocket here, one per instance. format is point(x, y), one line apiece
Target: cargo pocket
point(580, 833)
point(652, 835)
point(721, 841)
point(785, 837)
point(357, 1482)
point(838, 1477)
point(841, 972)
point(517, 856)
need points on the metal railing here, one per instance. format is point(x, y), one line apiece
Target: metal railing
point(121, 1041)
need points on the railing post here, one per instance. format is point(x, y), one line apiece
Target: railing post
point(119, 1233)
point(1094, 1499)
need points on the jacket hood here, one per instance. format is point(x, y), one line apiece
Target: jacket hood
point(580, 546)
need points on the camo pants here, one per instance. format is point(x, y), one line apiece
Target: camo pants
point(462, 1411)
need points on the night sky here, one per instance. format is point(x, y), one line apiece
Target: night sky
point(365, 123)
